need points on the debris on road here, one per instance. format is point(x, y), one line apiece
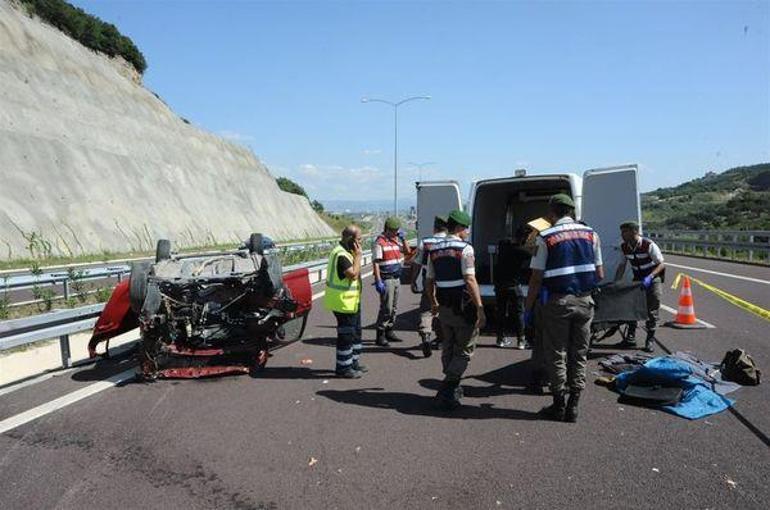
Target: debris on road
point(306, 361)
point(656, 470)
point(730, 483)
point(312, 462)
point(358, 449)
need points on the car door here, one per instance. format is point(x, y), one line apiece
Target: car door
point(611, 196)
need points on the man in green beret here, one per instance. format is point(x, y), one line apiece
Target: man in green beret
point(568, 263)
point(454, 295)
point(428, 323)
point(388, 253)
point(646, 262)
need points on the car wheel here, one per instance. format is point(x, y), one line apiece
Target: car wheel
point(294, 329)
point(163, 250)
point(137, 285)
point(255, 244)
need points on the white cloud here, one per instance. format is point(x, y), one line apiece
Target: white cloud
point(371, 152)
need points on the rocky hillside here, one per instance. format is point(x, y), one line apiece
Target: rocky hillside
point(92, 161)
point(737, 199)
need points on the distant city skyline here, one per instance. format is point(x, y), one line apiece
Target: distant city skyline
point(679, 88)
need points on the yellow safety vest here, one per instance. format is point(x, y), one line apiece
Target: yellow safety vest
point(341, 295)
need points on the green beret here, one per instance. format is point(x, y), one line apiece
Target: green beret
point(439, 222)
point(561, 199)
point(630, 225)
point(460, 217)
point(392, 223)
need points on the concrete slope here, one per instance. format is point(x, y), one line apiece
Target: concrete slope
point(92, 161)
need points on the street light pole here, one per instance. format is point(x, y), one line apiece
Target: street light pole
point(395, 106)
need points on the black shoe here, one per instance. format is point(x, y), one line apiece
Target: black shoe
point(649, 344)
point(571, 413)
point(436, 344)
point(381, 340)
point(449, 395)
point(427, 350)
point(628, 343)
point(556, 410)
point(348, 374)
point(360, 367)
point(390, 336)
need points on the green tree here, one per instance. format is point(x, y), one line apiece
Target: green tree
point(317, 206)
point(289, 186)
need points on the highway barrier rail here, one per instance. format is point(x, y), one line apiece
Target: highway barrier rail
point(65, 281)
point(63, 323)
point(734, 245)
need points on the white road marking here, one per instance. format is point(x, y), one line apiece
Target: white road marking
point(61, 402)
point(728, 275)
point(673, 311)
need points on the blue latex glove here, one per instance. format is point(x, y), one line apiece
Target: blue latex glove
point(528, 317)
point(401, 234)
point(543, 295)
point(647, 282)
point(379, 286)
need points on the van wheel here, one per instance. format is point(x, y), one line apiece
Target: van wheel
point(163, 250)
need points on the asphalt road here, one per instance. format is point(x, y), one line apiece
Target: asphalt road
point(299, 438)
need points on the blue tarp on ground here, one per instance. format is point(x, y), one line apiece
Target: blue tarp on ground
point(698, 399)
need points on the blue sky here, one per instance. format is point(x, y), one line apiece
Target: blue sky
point(679, 88)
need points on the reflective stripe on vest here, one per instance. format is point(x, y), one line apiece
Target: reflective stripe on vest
point(392, 258)
point(446, 257)
point(570, 267)
point(639, 257)
point(341, 295)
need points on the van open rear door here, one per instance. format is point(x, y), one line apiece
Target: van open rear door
point(610, 197)
point(435, 198)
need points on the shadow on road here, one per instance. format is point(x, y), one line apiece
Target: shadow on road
point(294, 373)
point(421, 405)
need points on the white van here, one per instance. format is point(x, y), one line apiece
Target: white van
point(604, 198)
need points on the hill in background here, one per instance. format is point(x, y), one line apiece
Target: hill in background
point(737, 199)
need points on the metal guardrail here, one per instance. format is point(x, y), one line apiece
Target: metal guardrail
point(62, 323)
point(64, 276)
point(734, 245)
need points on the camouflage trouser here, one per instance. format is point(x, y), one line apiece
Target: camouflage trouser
point(428, 323)
point(457, 344)
point(566, 338)
point(653, 308)
point(386, 319)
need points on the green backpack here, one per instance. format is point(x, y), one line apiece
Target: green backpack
point(737, 366)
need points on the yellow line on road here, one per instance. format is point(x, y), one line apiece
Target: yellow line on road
point(735, 300)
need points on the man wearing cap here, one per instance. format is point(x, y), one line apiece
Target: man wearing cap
point(568, 263)
point(454, 294)
point(646, 262)
point(420, 267)
point(389, 250)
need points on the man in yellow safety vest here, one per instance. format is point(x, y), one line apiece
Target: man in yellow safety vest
point(343, 298)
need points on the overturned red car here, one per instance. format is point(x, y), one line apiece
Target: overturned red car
point(203, 315)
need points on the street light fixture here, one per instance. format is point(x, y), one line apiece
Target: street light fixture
point(395, 106)
point(420, 166)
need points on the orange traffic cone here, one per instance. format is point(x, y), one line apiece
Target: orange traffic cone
point(685, 315)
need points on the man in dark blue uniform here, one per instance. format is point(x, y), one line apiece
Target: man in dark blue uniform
point(568, 262)
point(454, 294)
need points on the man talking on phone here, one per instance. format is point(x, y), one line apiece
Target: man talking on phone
point(343, 298)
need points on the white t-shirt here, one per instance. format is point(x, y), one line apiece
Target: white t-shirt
point(541, 255)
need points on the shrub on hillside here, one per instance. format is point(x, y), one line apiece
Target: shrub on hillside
point(290, 186)
point(89, 30)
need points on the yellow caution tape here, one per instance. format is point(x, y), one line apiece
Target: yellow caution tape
point(735, 300)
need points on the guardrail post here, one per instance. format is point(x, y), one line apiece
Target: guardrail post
point(66, 284)
point(751, 252)
point(64, 347)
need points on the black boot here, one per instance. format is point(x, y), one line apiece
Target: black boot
point(381, 340)
point(392, 336)
point(649, 343)
point(571, 413)
point(556, 410)
point(449, 395)
point(427, 350)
